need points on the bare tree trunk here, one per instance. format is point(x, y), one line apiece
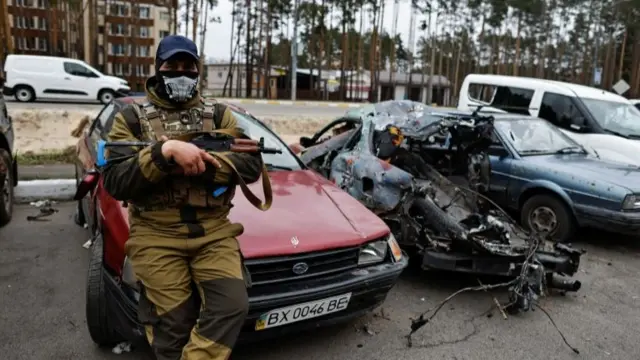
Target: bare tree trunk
point(187, 8)
point(267, 53)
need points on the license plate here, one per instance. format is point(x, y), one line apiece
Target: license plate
point(299, 312)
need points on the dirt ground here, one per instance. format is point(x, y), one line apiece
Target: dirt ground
point(41, 131)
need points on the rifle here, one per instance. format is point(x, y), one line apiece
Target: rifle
point(222, 140)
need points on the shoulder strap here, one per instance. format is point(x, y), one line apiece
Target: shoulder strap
point(266, 182)
point(208, 115)
point(153, 116)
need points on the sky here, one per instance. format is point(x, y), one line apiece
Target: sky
point(217, 39)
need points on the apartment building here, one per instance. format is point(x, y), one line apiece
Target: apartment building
point(116, 37)
point(37, 28)
point(126, 36)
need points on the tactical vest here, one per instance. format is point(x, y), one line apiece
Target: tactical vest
point(178, 191)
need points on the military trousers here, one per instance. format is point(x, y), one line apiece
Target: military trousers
point(179, 325)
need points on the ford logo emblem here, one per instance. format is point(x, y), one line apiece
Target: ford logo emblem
point(300, 268)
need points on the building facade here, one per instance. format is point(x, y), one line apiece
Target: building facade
point(116, 37)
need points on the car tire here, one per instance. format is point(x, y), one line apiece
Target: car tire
point(98, 322)
point(24, 94)
point(106, 96)
point(6, 189)
point(556, 217)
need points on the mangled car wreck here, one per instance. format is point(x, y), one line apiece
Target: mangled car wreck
point(399, 158)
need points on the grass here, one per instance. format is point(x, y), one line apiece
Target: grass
point(66, 156)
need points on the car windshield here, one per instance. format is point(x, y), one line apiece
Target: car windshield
point(255, 130)
point(534, 136)
point(622, 118)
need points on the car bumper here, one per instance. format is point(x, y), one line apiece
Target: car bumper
point(627, 223)
point(368, 287)
point(7, 91)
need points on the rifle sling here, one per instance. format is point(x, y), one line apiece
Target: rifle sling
point(266, 182)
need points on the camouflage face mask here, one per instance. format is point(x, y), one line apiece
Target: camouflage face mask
point(181, 88)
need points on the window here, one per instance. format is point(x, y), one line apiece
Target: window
point(508, 98)
point(144, 51)
point(118, 29)
point(144, 32)
point(481, 92)
point(78, 70)
point(101, 9)
point(164, 15)
point(559, 110)
point(118, 69)
point(42, 23)
point(142, 70)
point(105, 115)
point(163, 33)
point(512, 99)
point(42, 44)
point(144, 12)
point(21, 43)
point(220, 74)
point(117, 49)
point(119, 10)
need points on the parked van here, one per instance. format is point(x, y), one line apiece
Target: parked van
point(31, 77)
point(602, 120)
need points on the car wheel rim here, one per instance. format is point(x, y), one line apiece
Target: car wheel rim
point(543, 220)
point(24, 95)
point(6, 193)
point(106, 97)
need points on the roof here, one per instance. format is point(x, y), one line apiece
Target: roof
point(565, 88)
point(416, 79)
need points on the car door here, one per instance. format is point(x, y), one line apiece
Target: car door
point(87, 153)
point(501, 167)
point(78, 82)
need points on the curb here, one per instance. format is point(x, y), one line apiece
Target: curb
point(52, 189)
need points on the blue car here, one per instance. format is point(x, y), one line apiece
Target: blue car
point(555, 185)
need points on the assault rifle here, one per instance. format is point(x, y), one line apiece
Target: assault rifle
point(218, 141)
point(204, 141)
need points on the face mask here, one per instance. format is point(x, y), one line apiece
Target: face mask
point(180, 87)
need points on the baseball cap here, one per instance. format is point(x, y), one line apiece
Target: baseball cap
point(175, 44)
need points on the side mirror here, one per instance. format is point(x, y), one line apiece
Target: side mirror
point(499, 151)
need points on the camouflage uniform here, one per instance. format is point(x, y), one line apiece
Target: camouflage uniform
point(179, 232)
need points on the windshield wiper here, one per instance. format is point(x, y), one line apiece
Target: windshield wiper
point(277, 167)
point(571, 149)
point(616, 133)
point(534, 151)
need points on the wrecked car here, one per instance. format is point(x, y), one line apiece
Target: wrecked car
point(555, 185)
point(316, 257)
point(398, 158)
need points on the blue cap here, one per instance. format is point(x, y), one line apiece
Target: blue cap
point(176, 44)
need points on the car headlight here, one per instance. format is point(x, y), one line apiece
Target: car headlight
point(373, 252)
point(376, 251)
point(631, 202)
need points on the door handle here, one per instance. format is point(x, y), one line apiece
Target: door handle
point(67, 78)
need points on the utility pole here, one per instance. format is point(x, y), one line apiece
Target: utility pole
point(412, 42)
point(294, 52)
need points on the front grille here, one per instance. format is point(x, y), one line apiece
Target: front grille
point(280, 269)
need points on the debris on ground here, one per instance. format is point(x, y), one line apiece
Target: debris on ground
point(122, 347)
point(42, 203)
point(45, 211)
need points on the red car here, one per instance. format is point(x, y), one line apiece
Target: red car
point(317, 255)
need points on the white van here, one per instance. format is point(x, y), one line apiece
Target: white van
point(602, 120)
point(31, 77)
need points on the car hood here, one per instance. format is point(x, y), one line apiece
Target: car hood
point(115, 79)
point(624, 175)
point(307, 207)
point(609, 147)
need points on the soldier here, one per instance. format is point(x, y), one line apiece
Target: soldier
point(179, 231)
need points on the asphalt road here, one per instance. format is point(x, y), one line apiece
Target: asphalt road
point(257, 110)
point(42, 277)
